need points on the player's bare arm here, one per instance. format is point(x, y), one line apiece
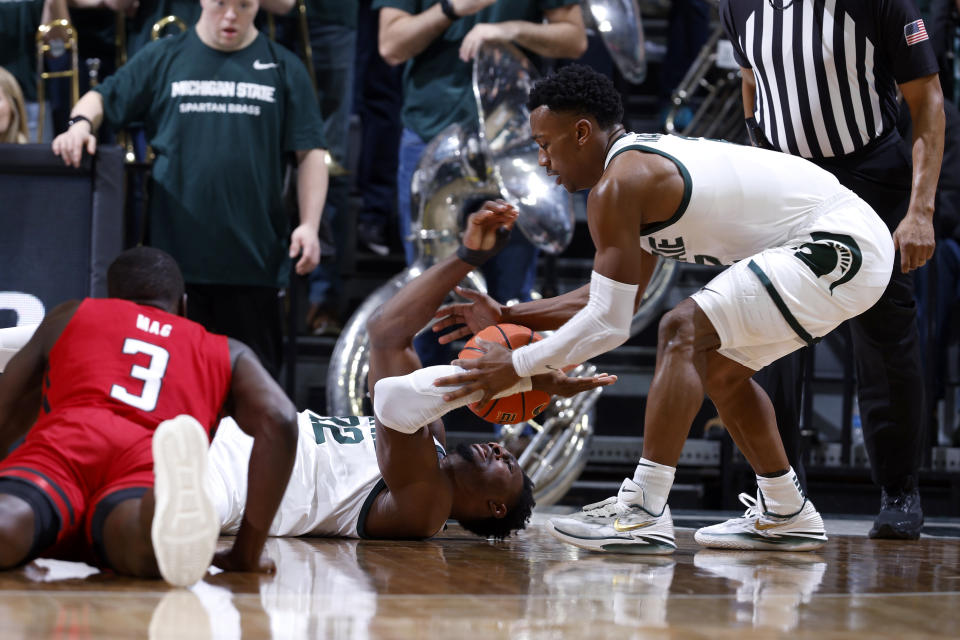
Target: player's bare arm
point(914, 236)
point(419, 495)
point(22, 381)
point(263, 411)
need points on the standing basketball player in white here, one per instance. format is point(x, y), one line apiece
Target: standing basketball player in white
point(807, 254)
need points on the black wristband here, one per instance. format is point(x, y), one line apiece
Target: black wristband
point(476, 257)
point(79, 118)
point(448, 11)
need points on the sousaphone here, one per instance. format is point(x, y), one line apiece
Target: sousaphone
point(619, 26)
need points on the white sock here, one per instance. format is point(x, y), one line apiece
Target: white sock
point(781, 495)
point(656, 480)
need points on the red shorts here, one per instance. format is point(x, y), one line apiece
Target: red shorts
point(83, 460)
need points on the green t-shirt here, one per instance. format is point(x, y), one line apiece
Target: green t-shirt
point(219, 124)
point(19, 20)
point(140, 26)
point(437, 84)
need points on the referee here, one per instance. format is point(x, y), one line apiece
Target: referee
point(820, 80)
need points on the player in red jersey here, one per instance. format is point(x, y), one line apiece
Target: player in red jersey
point(101, 387)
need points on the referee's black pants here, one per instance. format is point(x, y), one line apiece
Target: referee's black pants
point(886, 338)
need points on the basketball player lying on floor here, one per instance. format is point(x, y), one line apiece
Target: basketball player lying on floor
point(406, 486)
point(110, 471)
point(805, 254)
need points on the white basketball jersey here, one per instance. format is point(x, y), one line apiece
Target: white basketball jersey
point(737, 200)
point(334, 480)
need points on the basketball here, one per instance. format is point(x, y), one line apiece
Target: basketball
point(519, 407)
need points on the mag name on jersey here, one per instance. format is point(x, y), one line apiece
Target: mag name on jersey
point(153, 327)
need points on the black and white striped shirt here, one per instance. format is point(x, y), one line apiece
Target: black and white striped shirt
point(827, 70)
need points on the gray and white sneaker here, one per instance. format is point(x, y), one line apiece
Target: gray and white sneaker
point(758, 529)
point(619, 525)
point(185, 523)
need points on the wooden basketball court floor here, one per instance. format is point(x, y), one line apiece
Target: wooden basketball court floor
point(529, 587)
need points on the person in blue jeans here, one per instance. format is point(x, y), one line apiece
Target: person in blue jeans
point(378, 98)
point(437, 41)
point(332, 26)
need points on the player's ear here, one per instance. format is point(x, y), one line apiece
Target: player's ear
point(497, 509)
point(583, 129)
point(182, 306)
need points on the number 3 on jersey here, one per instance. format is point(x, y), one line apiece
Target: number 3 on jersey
point(151, 375)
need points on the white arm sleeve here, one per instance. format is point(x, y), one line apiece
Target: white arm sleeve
point(407, 403)
point(603, 324)
point(12, 340)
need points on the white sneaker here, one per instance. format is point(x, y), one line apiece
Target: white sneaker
point(185, 523)
point(759, 530)
point(619, 524)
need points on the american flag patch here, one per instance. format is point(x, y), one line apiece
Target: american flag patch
point(915, 32)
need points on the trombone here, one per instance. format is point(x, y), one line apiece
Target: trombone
point(156, 32)
point(56, 47)
point(120, 45)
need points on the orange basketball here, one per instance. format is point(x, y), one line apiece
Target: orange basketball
point(519, 407)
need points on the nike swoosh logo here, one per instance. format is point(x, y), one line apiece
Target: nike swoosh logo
point(764, 527)
point(622, 528)
point(260, 66)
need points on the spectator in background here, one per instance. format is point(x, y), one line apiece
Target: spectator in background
point(688, 31)
point(838, 108)
point(438, 41)
point(222, 105)
point(19, 20)
point(378, 99)
point(13, 116)
point(332, 28)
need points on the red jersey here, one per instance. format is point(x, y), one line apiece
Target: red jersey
point(137, 362)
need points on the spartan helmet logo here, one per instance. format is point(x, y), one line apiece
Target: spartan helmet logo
point(832, 256)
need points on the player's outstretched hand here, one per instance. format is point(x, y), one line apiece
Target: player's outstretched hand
point(231, 561)
point(480, 233)
point(491, 373)
point(560, 384)
point(481, 312)
point(70, 144)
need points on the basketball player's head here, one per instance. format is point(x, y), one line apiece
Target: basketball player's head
point(573, 114)
point(494, 496)
point(147, 276)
